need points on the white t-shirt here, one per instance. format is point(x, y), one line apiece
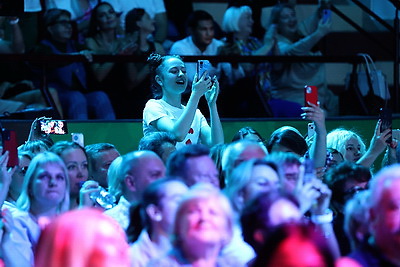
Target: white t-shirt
point(158, 108)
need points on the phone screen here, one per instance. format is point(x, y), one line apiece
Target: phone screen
point(53, 126)
point(309, 172)
point(310, 95)
point(386, 116)
point(9, 143)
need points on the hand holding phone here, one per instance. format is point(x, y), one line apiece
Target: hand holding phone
point(310, 95)
point(202, 67)
point(385, 115)
point(9, 143)
point(309, 171)
point(326, 15)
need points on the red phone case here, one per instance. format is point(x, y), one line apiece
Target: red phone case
point(310, 95)
point(10, 145)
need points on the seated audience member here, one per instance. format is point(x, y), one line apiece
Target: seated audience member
point(34, 147)
point(381, 249)
point(97, 240)
point(100, 156)
point(194, 243)
point(248, 132)
point(264, 212)
point(202, 41)
point(345, 180)
point(80, 14)
point(237, 23)
point(356, 219)
point(392, 154)
point(166, 113)
point(136, 171)
point(105, 37)
point(216, 152)
point(138, 29)
point(75, 158)
point(162, 143)
point(353, 148)
point(157, 214)
point(246, 181)
point(44, 195)
point(193, 164)
point(288, 80)
point(70, 79)
point(17, 179)
point(287, 139)
point(113, 173)
point(239, 151)
point(155, 8)
point(295, 244)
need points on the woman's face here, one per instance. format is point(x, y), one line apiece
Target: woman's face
point(106, 17)
point(353, 150)
point(287, 23)
point(263, 179)
point(49, 186)
point(204, 222)
point(173, 78)
point(77, 167)
point(246, 23)
point(61, 30)
point(146, 23)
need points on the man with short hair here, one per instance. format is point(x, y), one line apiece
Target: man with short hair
point(193, 164)
point(138, 170)
point(100, 156)
point(382, 249)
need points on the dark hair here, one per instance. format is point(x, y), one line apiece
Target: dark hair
point(255, 215)
point(154, 141)
point(155, 60)
point(337, 177)
point(60, 146)
point(93, 23)
point(195, 17)
point(93, 149)
point(131, 19)
point(51, 16)
point(241, 134)
point(304, 231)
point(139, 219)
point(216, 152)
point(177, 160)
point(290, 139)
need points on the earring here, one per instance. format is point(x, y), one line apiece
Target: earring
point(157, 217)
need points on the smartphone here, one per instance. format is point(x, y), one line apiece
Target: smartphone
point(203, 66)
point(48, 126)
point(309, 171)
point(78, 138)
point(9, 143)
point(310, 95)
point(310, 129)
point(385, 114)
point(326, 14)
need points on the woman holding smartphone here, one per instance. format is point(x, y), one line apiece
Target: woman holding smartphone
point(167, 113)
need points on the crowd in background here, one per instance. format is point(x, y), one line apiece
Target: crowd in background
point(140, 28)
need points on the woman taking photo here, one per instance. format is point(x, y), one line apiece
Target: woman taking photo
point(167, 113)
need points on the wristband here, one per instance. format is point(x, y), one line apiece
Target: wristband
point(324, 218)
point(14, 21)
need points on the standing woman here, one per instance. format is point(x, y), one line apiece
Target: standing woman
point(166, 113)
point(139, 29)
point(105, 37)
point(44, 195)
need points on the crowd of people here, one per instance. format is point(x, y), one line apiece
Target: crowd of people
point(88, 89)
point(321, 200)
